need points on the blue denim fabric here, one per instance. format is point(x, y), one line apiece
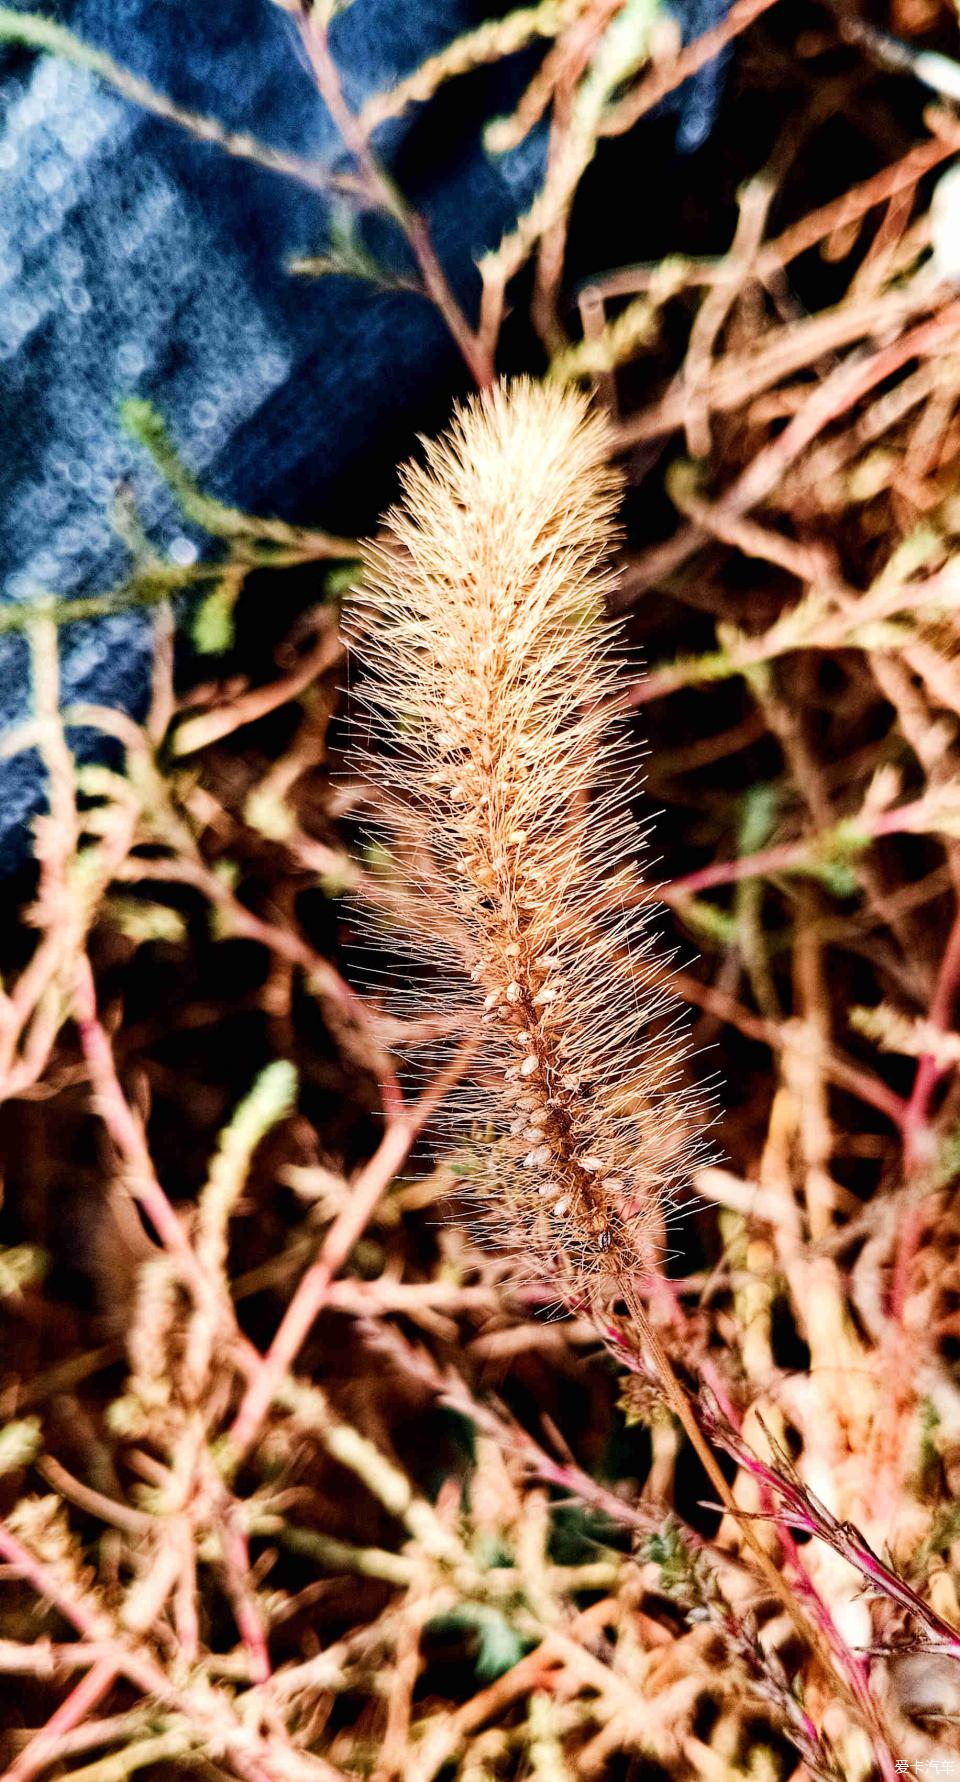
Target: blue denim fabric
point(134, 260)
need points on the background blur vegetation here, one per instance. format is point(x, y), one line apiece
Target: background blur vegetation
point(297, 1482)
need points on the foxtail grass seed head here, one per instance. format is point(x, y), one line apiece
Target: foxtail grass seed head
point(488, 670)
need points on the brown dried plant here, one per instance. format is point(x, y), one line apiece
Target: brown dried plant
point(492, 670)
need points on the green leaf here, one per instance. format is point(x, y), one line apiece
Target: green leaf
point(758, 814)
point(708, 920)
point(142, 921)
point(213, 627)
point(499, 1645)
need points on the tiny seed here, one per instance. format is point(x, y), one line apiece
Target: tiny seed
point(511, 950)
point(546, 995)
point(591, 1163)
point(513, 992)
point(529, 1065)
point(536, 1159)
point(491, 1001)
point(562, 1207)
point(613, 1185)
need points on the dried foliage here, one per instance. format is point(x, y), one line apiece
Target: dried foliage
point(298, 1479)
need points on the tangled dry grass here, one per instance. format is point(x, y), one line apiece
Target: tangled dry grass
point(297, 1480)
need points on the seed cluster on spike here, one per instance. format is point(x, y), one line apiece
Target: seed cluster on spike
point(488, 670)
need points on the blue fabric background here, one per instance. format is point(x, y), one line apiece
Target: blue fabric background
point(134, 260)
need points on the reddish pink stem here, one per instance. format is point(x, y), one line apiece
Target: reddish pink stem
point(88, 1623)
point(919, 1140)
point(124, 1127)
point(236, 1559)
point(382, 191)
point(788, 855)
point(916, 1132)
point(83, 1698)
point(391, 1153)
point(853, 1668)
point(312, 1291)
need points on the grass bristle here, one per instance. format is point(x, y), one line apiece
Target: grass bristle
point(489, 678)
